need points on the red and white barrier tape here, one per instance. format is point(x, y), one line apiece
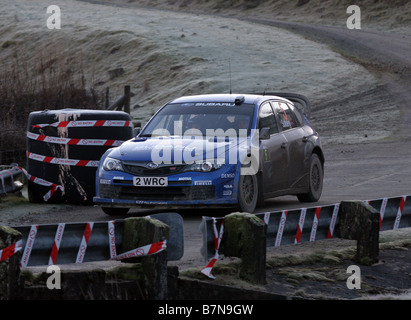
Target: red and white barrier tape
point(399, 212)
point(333, 221)
point(315, 224)
point(147, 250)
point(281, 228)
point(112, 239)
point(10, 251)
point(62, 161)
point(300, 225)
point(73, 141)
point(86, 123)
point(44, 183)
point(383, 208)
point(217, 241)
point(56, 245)
point(84, 242)
point(29, 246)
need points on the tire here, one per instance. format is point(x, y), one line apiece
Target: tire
point(115, 211)
point(315, 181)
point(248, 193)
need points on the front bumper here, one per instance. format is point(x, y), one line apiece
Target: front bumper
point(191, 189)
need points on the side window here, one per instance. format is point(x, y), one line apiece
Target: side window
point(284, 115)
point(267, 118)
point(297, 115)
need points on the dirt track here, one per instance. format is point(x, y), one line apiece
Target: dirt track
point(354, 168)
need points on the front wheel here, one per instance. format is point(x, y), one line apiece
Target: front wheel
point(316, 175)
point(248, 193)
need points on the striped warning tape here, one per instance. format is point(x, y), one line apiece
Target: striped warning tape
point(391, 211)
point(56, 245)
point(44, 183)
point(281, 228)
point(84, 242)
point(287, 227)
point(291, 226)
point(315, 224)
point(85, 123)
point(217, 241)
point(29, 245)
point(10, 251)
point(300, 225)
point(399, 212)
point(112, 239)
point(62, 161)
point(73, 141)
point(146, 250)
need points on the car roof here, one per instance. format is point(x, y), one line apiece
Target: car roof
point(248, 98)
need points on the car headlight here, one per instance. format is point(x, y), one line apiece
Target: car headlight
point(111, 164)
point(205, 165)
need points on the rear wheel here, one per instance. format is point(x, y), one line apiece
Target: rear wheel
point(115, 211)
point(248, 193)
point(316, 175)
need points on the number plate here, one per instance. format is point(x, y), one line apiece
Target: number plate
point(150, 181)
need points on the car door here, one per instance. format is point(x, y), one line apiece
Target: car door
point(274, 154)
point(293, 132)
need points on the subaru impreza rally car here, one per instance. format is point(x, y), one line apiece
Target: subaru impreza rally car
point(220, 150)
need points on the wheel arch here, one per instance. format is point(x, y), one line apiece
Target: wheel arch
point(317, 150)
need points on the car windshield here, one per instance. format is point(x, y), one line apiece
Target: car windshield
point(208, 119)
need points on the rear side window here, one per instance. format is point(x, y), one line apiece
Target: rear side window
point(267, 118)
point(297, 114)
point(284, 115)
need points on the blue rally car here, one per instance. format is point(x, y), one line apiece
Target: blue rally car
point(220, 150)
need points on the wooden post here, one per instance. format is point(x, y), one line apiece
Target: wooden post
point(127, 99)
point(141, 231)
point(359, 221)
point(245, 237)
point(107, 97)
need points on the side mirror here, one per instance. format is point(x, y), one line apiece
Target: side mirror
point(264, 133)
point(137, 131)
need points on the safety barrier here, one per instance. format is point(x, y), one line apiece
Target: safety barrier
point(64, 148)
point(305, 224)
point(65, 243)
point(10, 179)
point(395, 212)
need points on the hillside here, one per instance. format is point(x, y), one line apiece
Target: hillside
point(163, 54)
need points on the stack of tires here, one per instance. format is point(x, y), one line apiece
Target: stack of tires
point(64, 148)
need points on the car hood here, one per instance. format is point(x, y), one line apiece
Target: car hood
point(170, 149)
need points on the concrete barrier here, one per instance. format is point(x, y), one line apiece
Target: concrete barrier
point(143, 276)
